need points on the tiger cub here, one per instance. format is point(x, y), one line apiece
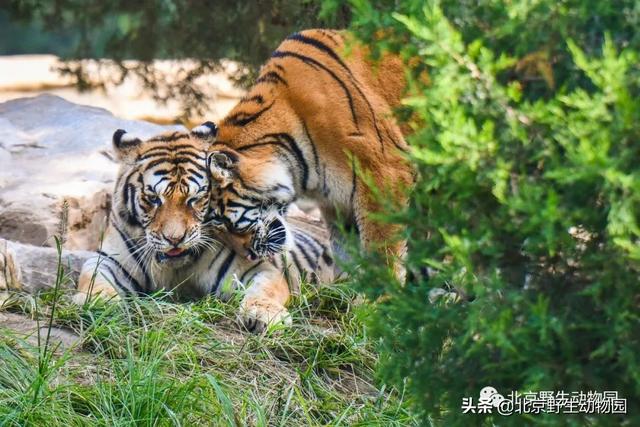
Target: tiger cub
point(159, 237)
point(318, 111)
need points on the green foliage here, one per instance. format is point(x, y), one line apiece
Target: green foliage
point(206, 31)
point(149, 29)
point(527, 136)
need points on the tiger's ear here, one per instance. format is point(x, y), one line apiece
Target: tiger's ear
point(206, 131)
point(222, 166)
point(125, 145)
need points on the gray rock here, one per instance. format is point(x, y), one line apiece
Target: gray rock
point(54, 153)
point(23, 327)
point(29, 268)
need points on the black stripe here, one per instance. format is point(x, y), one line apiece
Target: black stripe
point(154, 152)
point(296, 261)
point(168, 138)
point(326, 49)
point(249, 279)
point(116, 281)
point(325, 188)
point(134, 283)
point(133, 218)
point(169, 148)
point(327, 259)
point(161, 180)
point(131, 212)
point(223, 271)
point(300, 156)
point(330, 35)
point(353, 180)
point(194, 173)
point(313, 148)
point(319, 45)
point(234, 204)
point(291, 146)
point(213, 261)
point(133, 250)
point(192, 179)
point(323, 250)
point(169, 155)
point(315, 246)
point(231, 189)
point(312, 62)
point(248, 187)
point(255, 98)
point(310, 261)
point(271, 77)
point(175, 161)
point(249, 270)
point(260, 144)
point(242, 118)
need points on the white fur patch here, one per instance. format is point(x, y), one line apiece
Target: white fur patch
point(278, 174)
point(128, 138)
point(202, 130)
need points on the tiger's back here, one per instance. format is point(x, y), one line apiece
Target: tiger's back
point(319, 111)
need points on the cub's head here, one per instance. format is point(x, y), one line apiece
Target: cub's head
point(162, 191)
point(251, 190)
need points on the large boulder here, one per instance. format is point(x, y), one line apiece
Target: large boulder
point(56, 169)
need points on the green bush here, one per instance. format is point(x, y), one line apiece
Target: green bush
point(527, 139)
point(209, 32)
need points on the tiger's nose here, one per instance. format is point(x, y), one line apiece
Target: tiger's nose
point(175, 240)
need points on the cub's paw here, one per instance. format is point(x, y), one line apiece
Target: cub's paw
point(256, 315)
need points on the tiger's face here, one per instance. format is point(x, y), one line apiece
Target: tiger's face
point(163, 188)
point(249, 199)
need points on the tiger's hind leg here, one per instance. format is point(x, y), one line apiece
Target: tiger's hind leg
point(379, 236)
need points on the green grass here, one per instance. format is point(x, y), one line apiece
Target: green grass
point(153, 362)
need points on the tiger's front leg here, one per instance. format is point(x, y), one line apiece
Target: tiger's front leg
point(264, 301)
point(9, 272)
point(95, 281)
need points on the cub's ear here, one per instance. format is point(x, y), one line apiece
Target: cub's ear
point(125, 145)
point(222, 166)
point(207, 131)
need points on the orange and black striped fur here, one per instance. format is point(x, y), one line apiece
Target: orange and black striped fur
point(318, 108)
point(160, 235)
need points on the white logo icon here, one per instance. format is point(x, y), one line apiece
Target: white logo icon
point(490, 396)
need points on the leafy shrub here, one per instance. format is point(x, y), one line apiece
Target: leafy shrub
point(527, 139)
point(209, 32)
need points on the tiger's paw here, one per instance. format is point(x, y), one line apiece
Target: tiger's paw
point(91, 287)
point(82, 298)
point(257, 315)
point(9, 270)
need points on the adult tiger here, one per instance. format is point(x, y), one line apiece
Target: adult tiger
point(313, 114)
point(158, 236)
